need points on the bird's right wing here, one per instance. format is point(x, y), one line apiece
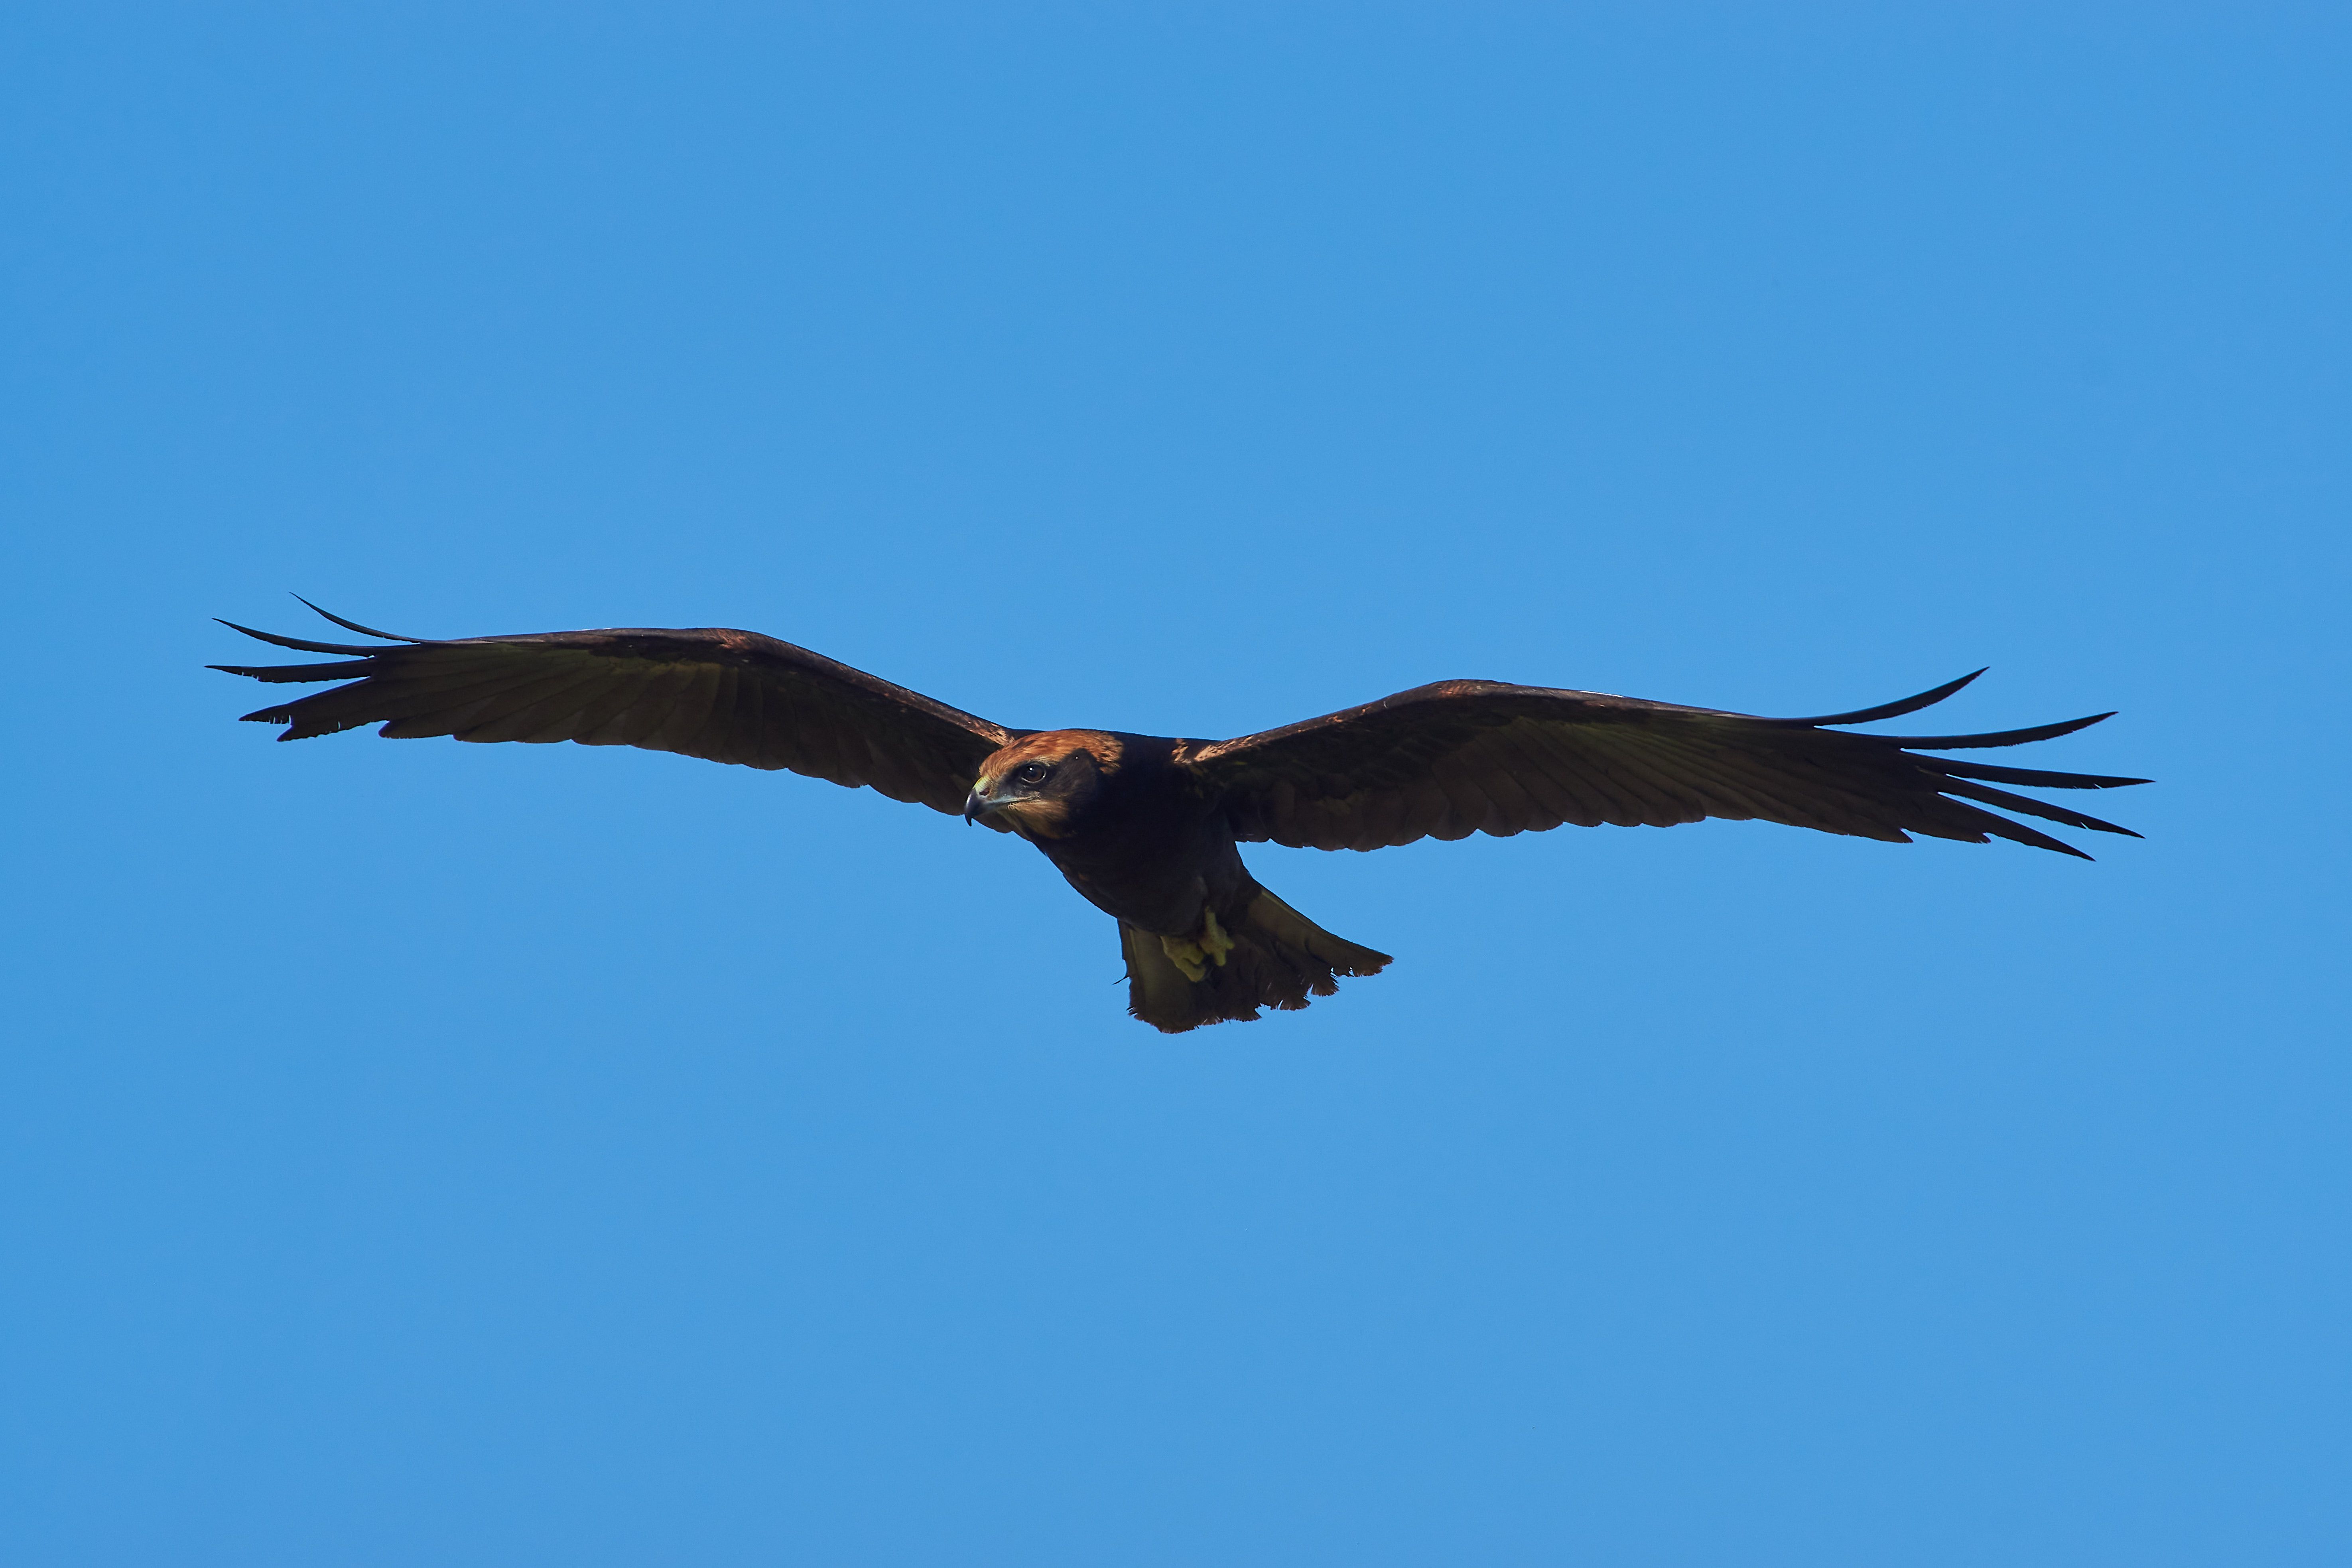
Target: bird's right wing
point(727, 696)
point(1478, 756)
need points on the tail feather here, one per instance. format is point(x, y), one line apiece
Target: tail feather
point(1279, 959)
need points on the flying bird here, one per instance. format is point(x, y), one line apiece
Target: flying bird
point(1146, 827)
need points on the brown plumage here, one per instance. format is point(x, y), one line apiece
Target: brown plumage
point(1146, 826)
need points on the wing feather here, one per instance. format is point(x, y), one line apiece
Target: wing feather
point(1639, 796)
point(1727, 790)
point(634, 725)
point(555, 716)
point(481, 713)
point(2047, 810)
point(1516, 809)
point(525, 712)
point(620, 691)
point(1552, 799)
point(1468, 809)
point(687, 714)
point(1578, 784)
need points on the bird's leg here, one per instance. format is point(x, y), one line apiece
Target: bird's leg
point(1213, 939)
point(1185, 954)
point(1194, 955)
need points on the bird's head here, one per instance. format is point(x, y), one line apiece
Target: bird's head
point(1041, 784)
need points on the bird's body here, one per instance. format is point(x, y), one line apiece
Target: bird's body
point(1130, 828)
point(1147, 828)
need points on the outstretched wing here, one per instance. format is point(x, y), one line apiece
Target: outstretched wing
point(727, 696)
point(1477, 756)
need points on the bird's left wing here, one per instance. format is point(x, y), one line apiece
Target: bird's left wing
point(1478, 756)
point(727, 696)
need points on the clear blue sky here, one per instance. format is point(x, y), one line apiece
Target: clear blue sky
point(429, 1154)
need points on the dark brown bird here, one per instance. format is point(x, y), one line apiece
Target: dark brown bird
point(1146, 826)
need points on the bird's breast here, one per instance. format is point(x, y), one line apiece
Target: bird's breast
point(1153, 870)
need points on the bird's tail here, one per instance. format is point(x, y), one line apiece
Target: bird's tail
point(1263, 954)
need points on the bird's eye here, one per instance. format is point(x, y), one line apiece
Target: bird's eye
point(1032, 773)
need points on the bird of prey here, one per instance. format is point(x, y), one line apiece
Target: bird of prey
point(1145, 826)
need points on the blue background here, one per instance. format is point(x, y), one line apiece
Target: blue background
point(432, 1154)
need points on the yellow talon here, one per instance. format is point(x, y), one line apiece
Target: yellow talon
point(1185, 953)
point(1194, 955)
point(1213, 939)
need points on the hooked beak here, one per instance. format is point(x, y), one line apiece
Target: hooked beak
point(974, 804)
